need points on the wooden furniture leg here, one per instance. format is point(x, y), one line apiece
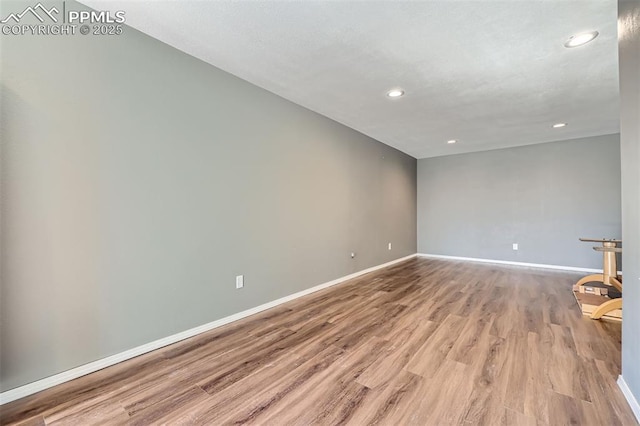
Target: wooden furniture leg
point(588, 279)
point(609, 266)
point(617, 284)
point(606, 307)
point(608, 277)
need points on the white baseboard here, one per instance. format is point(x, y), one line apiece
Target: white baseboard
point(633, 402)
point(65, 376)
point(508, 262)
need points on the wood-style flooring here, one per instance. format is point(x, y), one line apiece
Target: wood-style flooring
point(424, 342)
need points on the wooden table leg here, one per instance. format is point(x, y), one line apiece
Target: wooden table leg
point(609, 275)
point(588, 279)
point(609, 266)
point(616, 283)
point(606, 307)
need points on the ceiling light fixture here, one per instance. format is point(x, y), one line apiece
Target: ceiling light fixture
point(395, 93)
point(452, 141)
point(558, 125)
point(580, 39)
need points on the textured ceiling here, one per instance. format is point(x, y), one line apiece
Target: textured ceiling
point(491, 74)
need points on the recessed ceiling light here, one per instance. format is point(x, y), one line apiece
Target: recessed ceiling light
point(395, 93)
point(558, 125)
point(452, 141)
point(580, 39)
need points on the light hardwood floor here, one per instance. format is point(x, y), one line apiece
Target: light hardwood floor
point(425, 342)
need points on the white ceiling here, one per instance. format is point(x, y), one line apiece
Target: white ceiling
point(491, 74)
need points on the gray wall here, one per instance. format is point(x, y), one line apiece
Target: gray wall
point(542, 197)
point(629, 54)
point(138, 181)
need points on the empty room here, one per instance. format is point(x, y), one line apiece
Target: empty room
point(320, 212)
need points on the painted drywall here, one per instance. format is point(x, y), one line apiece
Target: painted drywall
point(542, 197)
point(629, 57)
point(138, 181)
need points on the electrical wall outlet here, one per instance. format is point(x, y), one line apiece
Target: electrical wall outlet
point(389, 246)
point(240, 281)
point(515, 246)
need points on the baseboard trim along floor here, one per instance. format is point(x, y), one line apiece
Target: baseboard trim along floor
point(633, 402)
point(508, 262)
point(65, 376)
